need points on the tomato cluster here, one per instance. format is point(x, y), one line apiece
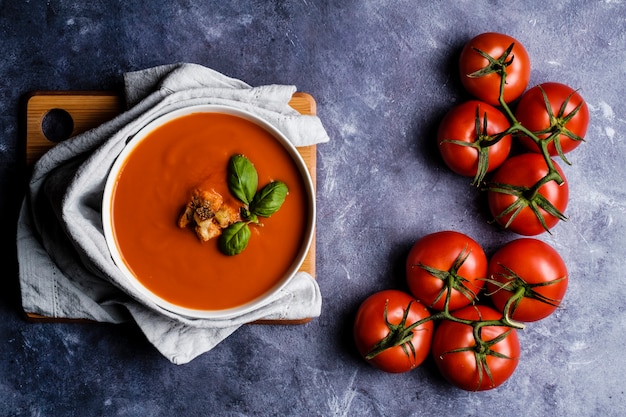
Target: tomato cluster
point(461, 307)
point(528, 192)
point(477, 303)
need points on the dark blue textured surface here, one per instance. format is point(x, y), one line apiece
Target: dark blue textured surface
point(383, 74)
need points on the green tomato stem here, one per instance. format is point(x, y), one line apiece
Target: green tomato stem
point(483, 348)
point(532, 194)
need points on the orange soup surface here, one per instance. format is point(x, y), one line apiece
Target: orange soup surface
point(155, 184)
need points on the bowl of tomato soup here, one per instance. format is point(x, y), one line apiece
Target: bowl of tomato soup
point(149, 185)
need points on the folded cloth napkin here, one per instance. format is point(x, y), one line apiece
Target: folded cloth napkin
point(65, 267)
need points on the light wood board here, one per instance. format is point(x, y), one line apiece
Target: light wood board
point(89, 109)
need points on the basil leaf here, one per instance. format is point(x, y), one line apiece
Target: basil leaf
point(243, 179)
point(269, 199)
point(234, 238)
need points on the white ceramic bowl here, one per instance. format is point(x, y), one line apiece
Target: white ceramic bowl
point(117, 257)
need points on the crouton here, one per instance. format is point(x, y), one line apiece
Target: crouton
point(208, 214)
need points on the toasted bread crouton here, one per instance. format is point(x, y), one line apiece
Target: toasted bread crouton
point(226, 216)
point(207, 230)
point(207, 212)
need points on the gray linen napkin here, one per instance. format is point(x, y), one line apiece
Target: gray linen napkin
point(64, 264)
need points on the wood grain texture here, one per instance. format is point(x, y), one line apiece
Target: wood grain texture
point(89, 109)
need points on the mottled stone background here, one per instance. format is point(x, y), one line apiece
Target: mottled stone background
point(383, 74)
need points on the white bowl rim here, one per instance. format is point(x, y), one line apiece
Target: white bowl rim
point(110, 184)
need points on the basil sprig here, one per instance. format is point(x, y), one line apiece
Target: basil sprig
point(243, 183)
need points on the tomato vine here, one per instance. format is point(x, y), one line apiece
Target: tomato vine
point(475, 346)
point(401, 334)
point(530, 196)
point(524, 196)
point(551, 113)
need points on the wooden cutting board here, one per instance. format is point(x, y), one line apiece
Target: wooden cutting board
point(53, 116)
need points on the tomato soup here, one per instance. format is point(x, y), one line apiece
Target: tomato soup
point(156, 182)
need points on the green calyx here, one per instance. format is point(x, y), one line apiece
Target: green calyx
point(482, 143)
point(451, 279)
point(526, 197)
point(495, 65)
point(482, 349)
point(558, 122)
point(400, 334)
point(521, 289)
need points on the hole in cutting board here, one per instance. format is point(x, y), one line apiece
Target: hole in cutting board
point(57, 125)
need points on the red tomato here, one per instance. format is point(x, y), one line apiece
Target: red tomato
point(441, 258)
point(559, 115)
point(487, 87)
point(535, 270)
point(470, 365)
point(524, 171)
point(387, 316)
point(473, 123)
